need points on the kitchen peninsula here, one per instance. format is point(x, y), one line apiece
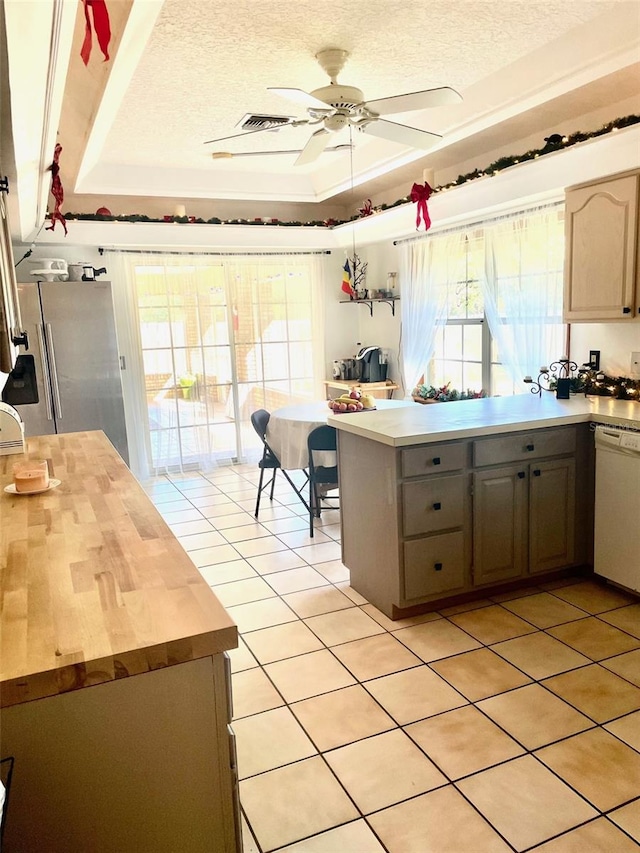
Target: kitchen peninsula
point(443, 503)
point(114, 687)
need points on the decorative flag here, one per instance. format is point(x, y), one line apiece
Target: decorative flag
point(346, 280)
point(57, 191)
point(102, 28)
point(420, 194)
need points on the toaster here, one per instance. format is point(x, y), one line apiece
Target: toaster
point(11, 431)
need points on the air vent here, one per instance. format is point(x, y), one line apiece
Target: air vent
point(254, 121)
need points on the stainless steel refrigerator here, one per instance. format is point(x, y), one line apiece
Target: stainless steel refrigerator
point(72, 334)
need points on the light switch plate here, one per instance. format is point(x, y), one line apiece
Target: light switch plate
point(635, 363)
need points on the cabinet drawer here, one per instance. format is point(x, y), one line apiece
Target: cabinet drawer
point(523, 446)
point(433, 459)
point(433, 565)
point(436, 503)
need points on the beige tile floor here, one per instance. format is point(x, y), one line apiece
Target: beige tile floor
point(511, 724)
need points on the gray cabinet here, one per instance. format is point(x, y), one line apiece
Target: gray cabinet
point(523, 520)
point(431, 522)
point(552, 512)
point(524, 514)
point(436, 521)
point(499, 524)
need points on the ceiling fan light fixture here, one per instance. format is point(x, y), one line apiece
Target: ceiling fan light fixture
point(339, 97)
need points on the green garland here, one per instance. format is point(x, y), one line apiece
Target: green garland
point(554, 143)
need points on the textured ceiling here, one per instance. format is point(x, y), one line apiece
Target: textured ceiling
point(210, 61)
point(520, 65)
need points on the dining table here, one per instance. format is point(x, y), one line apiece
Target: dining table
point(289, 428)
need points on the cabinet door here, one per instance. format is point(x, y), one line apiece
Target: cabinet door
point(499, 523)
point(601, 240)
point(552, 495)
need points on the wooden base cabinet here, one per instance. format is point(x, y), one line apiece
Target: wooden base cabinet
point(429, 522)
point(552, 514)
point(499, 524)
point(524, 520)
point(141, 764)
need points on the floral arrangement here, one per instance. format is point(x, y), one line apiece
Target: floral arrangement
point(444, 394)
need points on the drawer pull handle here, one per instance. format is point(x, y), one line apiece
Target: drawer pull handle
point(626, 310)
point(437, 505)
point(437, 567)
point(537, 472)
point(521, 475)
point(436, 460)
point(530, 447)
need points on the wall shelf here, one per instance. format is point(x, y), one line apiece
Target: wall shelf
point(390, 300)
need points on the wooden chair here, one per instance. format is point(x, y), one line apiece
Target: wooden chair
point(269, 461)
point(321, 439)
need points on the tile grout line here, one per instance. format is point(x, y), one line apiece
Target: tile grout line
point(468, 703)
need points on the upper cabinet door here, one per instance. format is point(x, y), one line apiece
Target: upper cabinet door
point(601, 223)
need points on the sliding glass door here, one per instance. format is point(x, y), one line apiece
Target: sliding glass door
point(220, 339)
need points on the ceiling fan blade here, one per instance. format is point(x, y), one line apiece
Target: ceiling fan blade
point(299, 97)
point(401, 133)
point(246, 133)
point(414, 101)
point(228, 155)
point(318, 141)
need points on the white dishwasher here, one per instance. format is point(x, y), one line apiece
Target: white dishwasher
point(617, 513)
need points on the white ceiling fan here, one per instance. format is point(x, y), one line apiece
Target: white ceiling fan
point(335, 107)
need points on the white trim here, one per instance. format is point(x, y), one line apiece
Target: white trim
point(533, 182)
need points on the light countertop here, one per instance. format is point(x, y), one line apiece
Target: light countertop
point(94, 585)
point(423, 424)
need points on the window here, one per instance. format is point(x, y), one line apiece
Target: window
point(504, 311)
point(220, 339)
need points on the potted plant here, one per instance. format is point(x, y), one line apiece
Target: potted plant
point(186, 382)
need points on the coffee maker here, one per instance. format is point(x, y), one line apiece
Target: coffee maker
point(371, 369)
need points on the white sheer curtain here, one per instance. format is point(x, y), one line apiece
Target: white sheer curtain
point(246, 330)
point(120, 269)
point(524, 261)
point(428, 268)
point(286, 321)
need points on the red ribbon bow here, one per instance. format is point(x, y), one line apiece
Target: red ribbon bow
point(367, 208)
point(57, 191)
point(420, 194)
point(102, 28)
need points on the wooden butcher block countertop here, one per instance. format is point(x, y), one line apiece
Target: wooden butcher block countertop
point(93, 584)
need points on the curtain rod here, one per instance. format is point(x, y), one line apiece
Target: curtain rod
point(102, 249)
point(491, 219)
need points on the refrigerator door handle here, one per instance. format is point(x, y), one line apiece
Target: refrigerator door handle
point(45, 373)
point(54, 372)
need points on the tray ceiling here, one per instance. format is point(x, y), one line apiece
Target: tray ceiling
point(186, 71)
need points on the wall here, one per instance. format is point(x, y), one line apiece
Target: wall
point(614, 340)
point(347, 325)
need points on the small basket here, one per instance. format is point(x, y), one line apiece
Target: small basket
point(424, 399)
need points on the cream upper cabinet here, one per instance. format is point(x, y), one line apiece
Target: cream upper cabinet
point(601, 263)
